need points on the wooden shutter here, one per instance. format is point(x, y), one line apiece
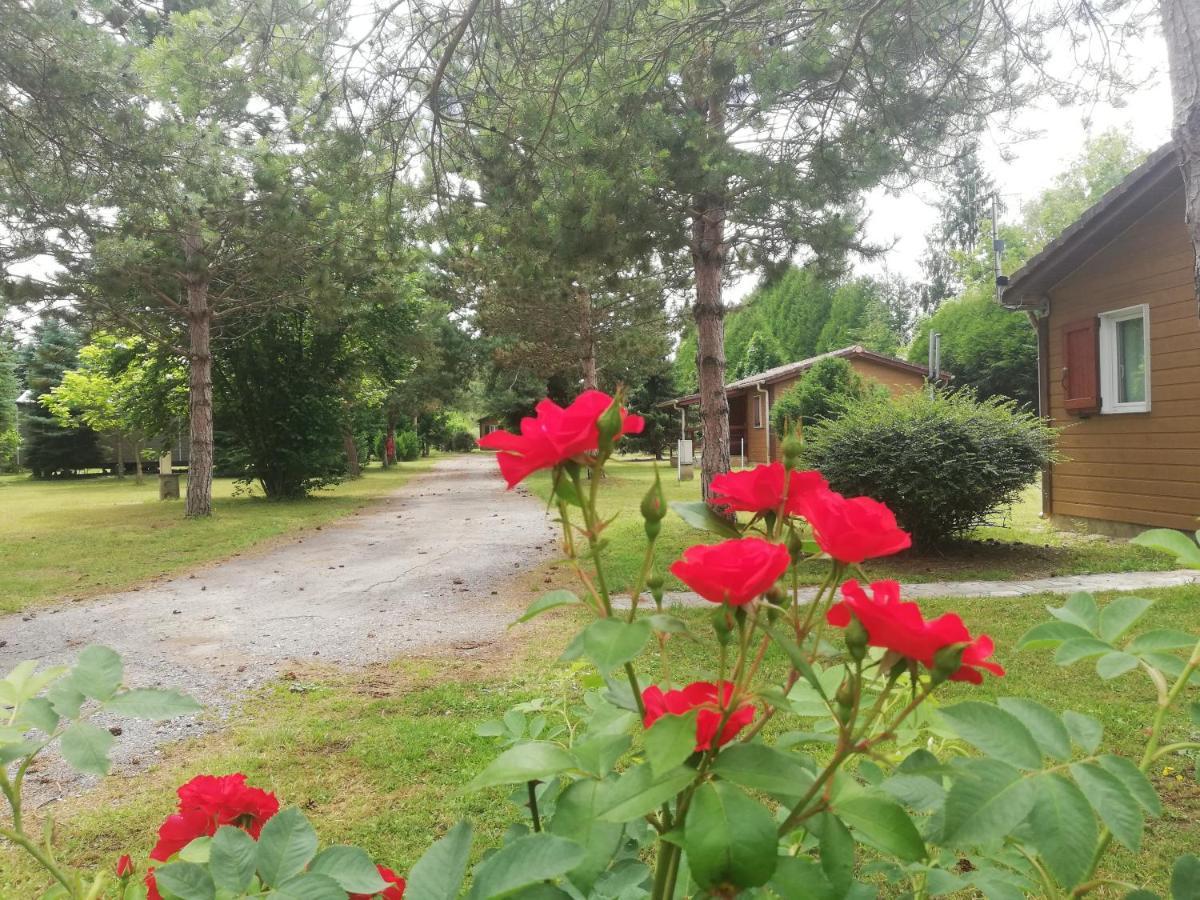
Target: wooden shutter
point(1081, 367)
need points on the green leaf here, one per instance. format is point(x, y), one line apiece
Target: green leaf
point(1080, 609)
point(1080, 648)
point(1194, 712)
point(1046, 727)
point(98, 672)
point(1118, 617)
point(729, 838)
point(308, 886)
point(526, 861)
point(439, 873)
point(197, 850)
point(699, 514)
point(285, 846)
point(837, 851)
point(39, 713)
point(987, 800)
point(1160, 639)
point(1134, 780)
point(1173, 543)
point(597, 755)
point(801, 878)
point(1084, 730)
point(763, 768)
point(668, 624)
point(152, 703)
point(532, 761)
point(85, 747)
point(670, 741)
point(1064, 828)
point(1185, 878)
point(231, 859)
point(884, 824)
point(636, 792)
point(1112, 801)
point(1114, 664)
point(1050, 634)
point(609, 643)
point(549, 600)
point(65, 698)
point(185, 881)
point(575, 818)
point(995, 732)
point(351, 868)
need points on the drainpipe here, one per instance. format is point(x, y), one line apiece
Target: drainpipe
point(682, 421)
point(1040, 320)
point(766, 416)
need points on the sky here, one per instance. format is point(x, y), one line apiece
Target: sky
point(1023, 170)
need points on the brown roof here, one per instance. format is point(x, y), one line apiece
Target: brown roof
point(1142, 189)
point(780, 373)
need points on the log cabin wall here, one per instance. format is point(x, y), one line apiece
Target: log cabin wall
point(1133, 468)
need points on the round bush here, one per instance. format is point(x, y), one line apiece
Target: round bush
point(461, 442)
point(408, 445)
point(944, 463)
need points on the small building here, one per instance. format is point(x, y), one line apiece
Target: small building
point(750, 398)
point(1114, 305)
point(487, 425)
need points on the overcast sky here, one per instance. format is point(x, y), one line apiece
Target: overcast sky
point(1030, 166)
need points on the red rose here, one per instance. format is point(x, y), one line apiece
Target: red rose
point(124, 866)
point(760, 490)
point(395, 892)
point(701, 695)
point(851, 529)
point(206, 803)
point(554, 435)
point(152, 886)
point(899, 626)
point(733, 572)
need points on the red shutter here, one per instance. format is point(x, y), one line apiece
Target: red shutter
point(1081, 367)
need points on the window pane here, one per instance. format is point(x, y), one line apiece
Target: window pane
point(1131, 348)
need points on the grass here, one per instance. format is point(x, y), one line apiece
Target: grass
point(1025, 547)
point(379, 757)
point(78, 538)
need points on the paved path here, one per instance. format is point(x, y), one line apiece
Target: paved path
point(424, 567)
point(1062, 584)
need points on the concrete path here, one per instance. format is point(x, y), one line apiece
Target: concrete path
point(1064, 584)
point(424, 567)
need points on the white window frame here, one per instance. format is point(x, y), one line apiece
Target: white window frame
point(1110, 359)
point(756, 412)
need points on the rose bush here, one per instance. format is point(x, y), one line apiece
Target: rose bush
point(814, 759)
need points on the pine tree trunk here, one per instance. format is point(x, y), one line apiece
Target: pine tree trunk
point(389, 438)
point(587, 338)
point(353, 468)
point(1181, 26)
point(708, 260)
point(200, 410)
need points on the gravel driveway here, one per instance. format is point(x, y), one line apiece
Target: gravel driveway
point(422, 567)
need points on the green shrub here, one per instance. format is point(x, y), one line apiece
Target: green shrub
point(10, 441)
point(821, 393)
point(460, 442)
point(945, 463)
point(408, 445)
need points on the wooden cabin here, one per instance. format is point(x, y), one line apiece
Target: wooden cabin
point(1114, 304)
point(750, 398)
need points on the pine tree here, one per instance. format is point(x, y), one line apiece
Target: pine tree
point(51, 448)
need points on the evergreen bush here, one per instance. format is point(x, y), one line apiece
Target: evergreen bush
point(944, 463)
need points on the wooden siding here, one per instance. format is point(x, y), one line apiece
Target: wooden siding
point(1135, 468)
point(896, 380)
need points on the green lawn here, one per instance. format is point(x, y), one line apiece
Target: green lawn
point(78, 538)
point(1026, 547)
point(379, 757)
